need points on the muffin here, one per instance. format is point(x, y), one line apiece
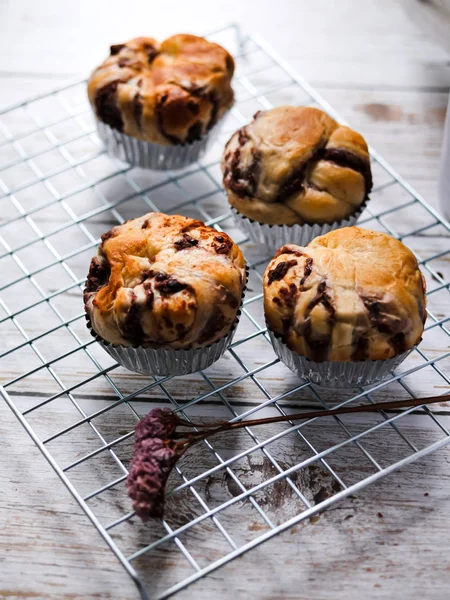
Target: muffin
point(294, 173)
point(157, 103)
point(163, 294)
point(346, 309)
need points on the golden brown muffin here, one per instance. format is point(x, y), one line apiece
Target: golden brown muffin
point(171, 92)
point(164, 281)
point(350, 295)
point(295, 164)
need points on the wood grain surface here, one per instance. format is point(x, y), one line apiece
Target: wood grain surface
point(390, 81)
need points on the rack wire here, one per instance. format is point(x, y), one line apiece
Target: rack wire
point(60, 191)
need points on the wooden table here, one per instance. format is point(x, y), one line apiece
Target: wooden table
point(391, 83)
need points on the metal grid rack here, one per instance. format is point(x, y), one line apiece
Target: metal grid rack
point(59, 193)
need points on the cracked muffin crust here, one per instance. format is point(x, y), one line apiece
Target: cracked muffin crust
point(168, 93)
point(164, 281)
point(350, 295)
point(295, 165)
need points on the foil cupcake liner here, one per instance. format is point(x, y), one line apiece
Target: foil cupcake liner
point(166, 361)
point(169, 361)
point(273, 237)
point(154, 156)
point(338, 375)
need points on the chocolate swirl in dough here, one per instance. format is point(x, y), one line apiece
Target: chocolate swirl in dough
point(295, 164)
point(164, 281)
point(350, 295)
point(171, 92)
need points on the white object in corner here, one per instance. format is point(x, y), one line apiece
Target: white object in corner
point(444, 169)
point(433, 17)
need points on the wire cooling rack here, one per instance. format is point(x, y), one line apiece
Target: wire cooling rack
point(60, 191)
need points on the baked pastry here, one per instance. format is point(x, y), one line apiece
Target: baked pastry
point(168, 93)
point(351, 295)
point(295, 165)
point(164, 281)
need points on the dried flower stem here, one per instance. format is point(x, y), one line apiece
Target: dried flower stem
point(394, 404)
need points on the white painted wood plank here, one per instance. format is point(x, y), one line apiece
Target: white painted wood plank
point(343, 43)
point(374, 541)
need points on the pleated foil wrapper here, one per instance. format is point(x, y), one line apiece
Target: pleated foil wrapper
point(338, 375)
point(154, 156)
point(273, 237)
point(168, 361)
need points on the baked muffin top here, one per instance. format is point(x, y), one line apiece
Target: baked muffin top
point(171, 92)
point(164, 281)
point(350, 295)
point(295, 164)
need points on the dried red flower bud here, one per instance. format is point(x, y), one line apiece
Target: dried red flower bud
point(159, 423)
point(156, 450)
point(150, 468)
